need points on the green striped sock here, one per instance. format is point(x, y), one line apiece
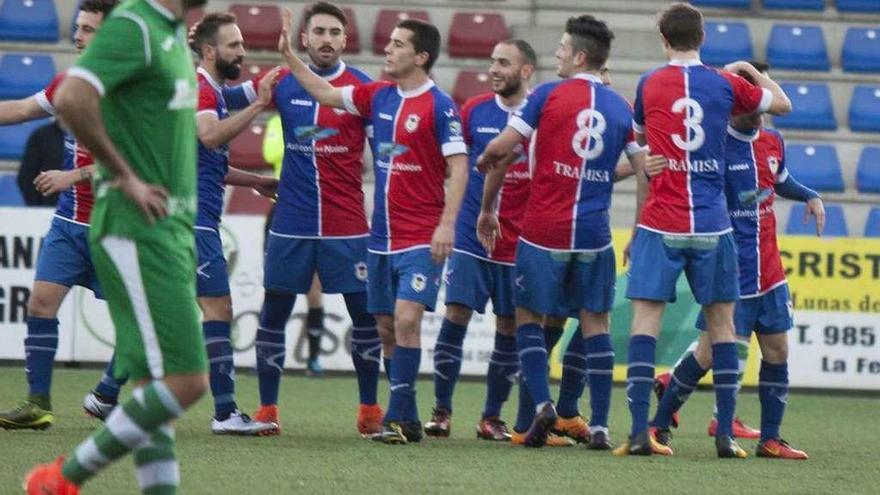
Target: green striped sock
point(742, 350)
point(127, 428)
point(156, 464)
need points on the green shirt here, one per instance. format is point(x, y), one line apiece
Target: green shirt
point(141, 65)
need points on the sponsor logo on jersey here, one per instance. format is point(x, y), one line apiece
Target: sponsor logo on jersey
point(385, 116)
point(488, 130)
point(738, 167)
point(754, 196)
point(587, 174)
point(419, 282)
point(390, 150)
point(309, 132)
point(694, 165)
point(412, 123)
point(301, 103)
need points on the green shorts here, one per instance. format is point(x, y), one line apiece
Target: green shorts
point(150, 287)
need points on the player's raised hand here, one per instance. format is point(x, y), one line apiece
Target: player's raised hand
point(441, 242)
point(267, 84)
point(655, 165)
point(54, 181)
point(152, 200)
point(488, 229)
point(284, 45)
point(267, 186)
point(816, 208)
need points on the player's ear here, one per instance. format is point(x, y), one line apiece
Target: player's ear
point(526, 71)
point(421, 60)
point(304, 37)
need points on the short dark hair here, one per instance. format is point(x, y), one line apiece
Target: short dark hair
point(759, 66)
point(681, 25)
point(103, 7)
point(324, 8)
point(425, 39)
point(591, 36)
point(205, 30)
point(525, 49)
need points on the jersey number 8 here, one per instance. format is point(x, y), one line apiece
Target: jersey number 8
point(693, 117)
point(591, 124)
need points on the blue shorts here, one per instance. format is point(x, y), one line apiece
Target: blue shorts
point(291, 263)
point(212, 275)
point(410, 276)
point(765, 314)
point(471, 282)
point(65, 258)
point(547, 281)
point(708, 261)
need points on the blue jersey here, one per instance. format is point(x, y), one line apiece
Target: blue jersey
point(213, 163)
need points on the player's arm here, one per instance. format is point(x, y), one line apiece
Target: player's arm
point(623, 170)
point(638, 163)
point(499, 149)
point(488, 226)
point(17, 111)
point(214, 132)
point(444, 234)
point(51, 182)
point(780, 104)
point(316, 86)
point(265, 185)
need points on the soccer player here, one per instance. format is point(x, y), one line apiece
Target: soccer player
point(65, 258)
point(681, 111)
point(220, 47)
point(755, 173)
point(579, 129)
point(417, 139)
point(319, 223)
point(131, 100)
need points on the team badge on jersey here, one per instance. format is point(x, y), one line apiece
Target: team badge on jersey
point(360, 271)
point(412, 123)
point(309, 132)
point(773, 163)
point(419, 282)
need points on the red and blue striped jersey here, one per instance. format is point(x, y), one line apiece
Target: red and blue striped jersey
point(74, 204)
point(755, 164)
point(413, 133)
point(578, 128)
point(683, 109)
point(213, 163)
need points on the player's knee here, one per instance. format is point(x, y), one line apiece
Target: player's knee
point(41, 305)
point(506, 326)
point(406, 323)
point(774, 348)
point(458, 314)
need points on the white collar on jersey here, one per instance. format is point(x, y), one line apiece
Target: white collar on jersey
point(506, 108)
point(214, 84)
point(329, 77)
point(743, 136)
point(412, 93)
point(162, 10)
point(588, 77)
point(690, 62)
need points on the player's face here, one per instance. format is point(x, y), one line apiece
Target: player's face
point(229, 52)
point(506, 70)
point(324, 40)
point(87, 24)
point(565, 57)
point(400, 54)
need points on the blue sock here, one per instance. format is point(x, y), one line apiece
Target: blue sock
point(40, 346)
point(685, 377)
point(501, 374)
point(574, 369)
point(525, 411)
point(773, 393)
point(533, 361)
point(640, 380)
point(447, 362)
point(366, 347)
point(551, 337)
point(404, 370)
point(270, 344)
point(725, 373)
point(222, 370)
point(110, 385)
point(600, 371)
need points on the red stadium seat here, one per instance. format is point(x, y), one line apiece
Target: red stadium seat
point(193, 16)
point(245, 201)
point(474, 34)
point(353, 38)
point(469, 83)
point(246, 150)
point(250, 71)
point(387, 21)
point(260, 25)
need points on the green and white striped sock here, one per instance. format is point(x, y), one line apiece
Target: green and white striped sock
point(156, 464)
point(128, 428)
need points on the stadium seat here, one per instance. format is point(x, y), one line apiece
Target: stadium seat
point(815, 166)
point(260, 25)
point(245, 201)
point(387, 21)
point(868, 170)
point(726, 42)
point(470, 83)
point(795, 4)
point(797, 47)
point(14, 137)
point(872, 224)
point(726, 4)
point(23, 74)
point(194, 15)
point(29, 20)
point(812, 107)
point(246, 150)
point(835, 222)
point(352, 42)
point(864, 109)
point(857, 5)
point(861, 50)
point(475, 34)
point(10, 194)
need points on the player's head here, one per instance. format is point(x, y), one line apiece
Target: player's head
point(324, 36)
point(605, 74)
point(513, 63)
point(219, 44)
point(751, 120)
point(681, 27)
point(584, 46)
point(414, 45)
point(91, 14)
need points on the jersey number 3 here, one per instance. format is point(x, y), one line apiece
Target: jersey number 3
point(693, 117)
point(591, 125)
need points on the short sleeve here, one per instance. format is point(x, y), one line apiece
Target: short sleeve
point(525, 120)
point(239, 96)
point(638, 120)
point(47, 95)
point(747, 98)
point(207, 99)
point(466, 110)
point(448, 127)
point(358, 100)
point(119, 52)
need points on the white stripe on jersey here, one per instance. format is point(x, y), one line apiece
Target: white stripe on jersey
point(687, 154)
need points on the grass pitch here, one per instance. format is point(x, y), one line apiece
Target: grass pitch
point(320, 451)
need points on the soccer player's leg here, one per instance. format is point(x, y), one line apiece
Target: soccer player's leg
point(315, 328)
point(773, 324)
